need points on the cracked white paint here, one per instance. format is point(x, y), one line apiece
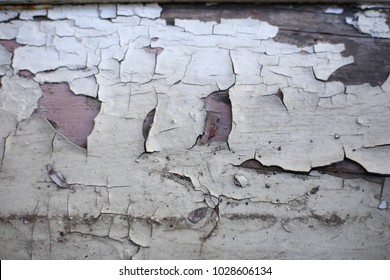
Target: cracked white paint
point(371, 22)
point(196, 27)
point(80, 81)
point(151, 11)
point(330, 59)
point(30, 14)
point(364, 154)
point(36, 59)
point(137, 66)
point(30, 34)
point(128, 203)
point(9, 31)
point(14, 98)
point(7, 15)
point(108, 11)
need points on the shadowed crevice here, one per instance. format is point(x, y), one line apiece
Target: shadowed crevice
point(147, 125)
point(346, 169)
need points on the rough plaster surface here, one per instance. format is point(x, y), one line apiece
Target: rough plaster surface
point(164, 197)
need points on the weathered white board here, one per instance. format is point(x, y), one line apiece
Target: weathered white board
point(164, 197)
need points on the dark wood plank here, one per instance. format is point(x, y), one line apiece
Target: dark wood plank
point(28, 2)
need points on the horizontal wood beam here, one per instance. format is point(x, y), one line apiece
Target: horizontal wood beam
point(37, 2)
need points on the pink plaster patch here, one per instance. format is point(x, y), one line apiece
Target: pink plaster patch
point(71, 115)
point(10, 45)
point(218, 122)
point(156, 51)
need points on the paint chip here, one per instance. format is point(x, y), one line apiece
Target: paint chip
point(56, 177)
point(383, 205)
point(241, 181)
point(334, 10)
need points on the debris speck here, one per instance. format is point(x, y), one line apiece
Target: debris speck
point(314, 190)
point(57, 177)
point(336, 136)
point(241, 181)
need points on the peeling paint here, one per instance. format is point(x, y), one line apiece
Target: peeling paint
point(372, 22)
point(287, 151)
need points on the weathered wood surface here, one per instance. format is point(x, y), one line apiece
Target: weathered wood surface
point(302, 173)
point(30, 2)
